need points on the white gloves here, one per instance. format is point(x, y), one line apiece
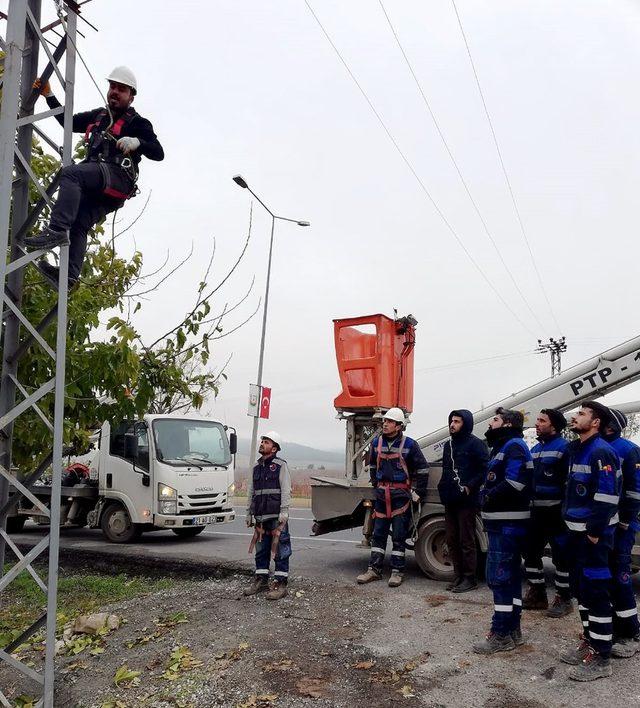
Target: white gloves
point(249, 519)
point(128, 145)
point(415, 498)
point(283, 518)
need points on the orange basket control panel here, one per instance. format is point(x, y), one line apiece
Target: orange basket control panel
point(375, 362)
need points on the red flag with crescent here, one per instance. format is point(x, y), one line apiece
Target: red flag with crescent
point(265, 403)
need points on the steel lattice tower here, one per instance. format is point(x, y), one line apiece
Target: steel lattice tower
point(22, 45)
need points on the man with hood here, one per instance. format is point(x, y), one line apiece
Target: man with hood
point(550, 470)
point(626, 629)
point(464, 465)
point(505, 499)
point(399, 473)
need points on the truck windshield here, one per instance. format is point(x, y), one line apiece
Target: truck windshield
point(191, 442)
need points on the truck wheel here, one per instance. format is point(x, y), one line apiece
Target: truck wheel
point(117, 526)
point(15, 524)
point(431, 550)
point(189, 531)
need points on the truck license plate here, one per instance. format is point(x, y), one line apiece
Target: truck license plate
point(204, 520)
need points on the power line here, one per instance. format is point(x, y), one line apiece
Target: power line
point(470, 362)
point(456, 166)
point(415, 174)
point(504, 169)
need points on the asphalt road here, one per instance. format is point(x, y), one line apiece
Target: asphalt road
point(336, 557)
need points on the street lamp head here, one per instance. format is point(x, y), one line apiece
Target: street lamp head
point(303, 223)
point(241, 182)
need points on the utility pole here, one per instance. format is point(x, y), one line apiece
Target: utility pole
point(554, 347)
point(22, 45)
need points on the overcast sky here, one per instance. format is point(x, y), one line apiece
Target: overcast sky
point(255, 88)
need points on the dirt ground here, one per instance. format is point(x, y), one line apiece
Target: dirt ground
point(201, 643)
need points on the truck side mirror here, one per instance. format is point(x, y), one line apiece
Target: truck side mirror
point(130, 446)
point(233, 443)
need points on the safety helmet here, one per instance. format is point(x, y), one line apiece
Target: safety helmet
point(274, 437)
point(394, 414)
point(124, 75)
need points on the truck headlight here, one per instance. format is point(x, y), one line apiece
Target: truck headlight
point(231, 490)
point(167, 500)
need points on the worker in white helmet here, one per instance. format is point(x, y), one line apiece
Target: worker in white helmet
point(116, 139)
point(268, 499)
point(399, 473)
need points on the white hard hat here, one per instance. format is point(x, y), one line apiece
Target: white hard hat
point(274, 437)
point(124, 75)
point(394, 414)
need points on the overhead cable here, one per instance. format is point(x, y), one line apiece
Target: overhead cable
point(504, 169)
point(415, 174)
point(457, 168)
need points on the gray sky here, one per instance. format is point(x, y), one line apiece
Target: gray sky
point(255, 88)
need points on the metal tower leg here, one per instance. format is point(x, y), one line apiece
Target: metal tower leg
point(22, 45)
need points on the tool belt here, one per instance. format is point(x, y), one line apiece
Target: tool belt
point(260, 532)
point(389, 512)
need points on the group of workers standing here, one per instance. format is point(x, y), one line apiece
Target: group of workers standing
point(582, 497)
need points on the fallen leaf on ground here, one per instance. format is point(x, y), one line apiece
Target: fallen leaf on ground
point(363, 665)
point(312, 687)
point(282, 665)
point(125, 675)
point(406, 692)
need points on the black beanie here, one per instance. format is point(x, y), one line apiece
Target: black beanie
point(558, 420)
point(618, 420)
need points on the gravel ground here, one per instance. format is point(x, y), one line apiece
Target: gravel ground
point(326, 645)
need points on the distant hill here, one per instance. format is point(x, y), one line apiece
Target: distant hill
point(298, 455)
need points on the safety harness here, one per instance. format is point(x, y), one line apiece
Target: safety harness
point(101, 148)
point(260, 532)
point(388, 486)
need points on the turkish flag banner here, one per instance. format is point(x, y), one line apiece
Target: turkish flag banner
point(265, 403)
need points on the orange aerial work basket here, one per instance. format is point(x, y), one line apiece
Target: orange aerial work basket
point(375, 362)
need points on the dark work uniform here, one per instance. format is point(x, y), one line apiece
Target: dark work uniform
point(464, 464)
point(591, 509)
point(550, 469)
point(505, 499)
point(81, 201)
point(396, 465)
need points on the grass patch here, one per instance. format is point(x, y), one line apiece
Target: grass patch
point(78, 593)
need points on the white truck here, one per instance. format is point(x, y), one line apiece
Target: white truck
point(164, 472)
point(346, 503)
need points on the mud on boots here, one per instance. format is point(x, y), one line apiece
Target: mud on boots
point(505, 498)
point(550, 470)
point(399, 473)
point(464, 466)
point(590, 511)
point(268, 500)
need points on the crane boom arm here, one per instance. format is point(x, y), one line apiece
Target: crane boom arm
point(592, 378)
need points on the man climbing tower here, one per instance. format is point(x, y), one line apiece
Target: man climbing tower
point(116, 139)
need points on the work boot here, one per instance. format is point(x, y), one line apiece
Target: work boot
point(259, 583)
point(278, 590)
point(560, 607)
point(456, 581)
point(52, 274)
point(516, 635)
point(49, 238)
point(535, 598)
point(493, 643)
point(575, 655)
point(468, 583)
point(368, 577)
point(592, 667)
point(625, 647)
point(395, 579)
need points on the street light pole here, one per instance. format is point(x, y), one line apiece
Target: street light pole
point(241, 182)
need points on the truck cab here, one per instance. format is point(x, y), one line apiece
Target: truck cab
point(162, 472)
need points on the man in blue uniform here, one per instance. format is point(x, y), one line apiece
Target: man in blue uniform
point(590, 511)
point(626, 630)
point(550, 466)
point(399, 474)
point(505, 499)
point(268, 499)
